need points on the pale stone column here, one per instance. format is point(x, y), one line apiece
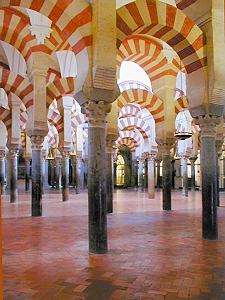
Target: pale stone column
point(13, 171)
point(193, 160)
point(141, 175)
point(158, 162)
point(208, 171)
point(97, 206)
point(46, 184)
point(79, 172)
point(65, 175)
point(151, 176)
point(217, 183)
point(184, 176)
point(36, 147)
point(27, 176)
point(2, 170)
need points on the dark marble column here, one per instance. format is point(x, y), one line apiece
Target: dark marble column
point(13, 171)
point(184, 177)
point(2, 170)
point(141, 175)
point(166, 176)
point(27, 176)
point(57, 172)
point(192, 160)
point(85, 172)
point(79, 173)
point(73, 165)
point(158, 162)
point(145, 166)
point(97, 206)
point(65, 176)
point(208, 171)
point(36, 175)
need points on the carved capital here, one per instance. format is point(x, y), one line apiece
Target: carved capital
point(2, 154)
point(208, 125)
point(36, 142)
point(96, 112)
point(13, 152)
point(110, 143)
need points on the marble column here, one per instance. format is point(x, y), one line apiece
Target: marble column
point(97, 206)
point(13, 173)
point(166, 176)
point(109, 172)
point(217, 183)
point(2, 170)
point(208, 171)
point(27, 175)
point(85, 172)
point(79, 173)
point(141, 175)
point(151, 176)
point(145, 166)
point(46, 184)
point(135, 174)
point(184, 177)
point(158, 162)
point(65, 176)
point(193, 160)
point(57, 171)
point(73, 165)
point(52, 173)
point(36, 147)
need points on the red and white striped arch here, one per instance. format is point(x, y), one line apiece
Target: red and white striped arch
point(166, 22)
point(14, 29)
point(131, 109)
point(20, 86)
point(148, 54)
point(129, 123)
point(181, 104)
point(5, 117)
point(130, 139)
point(146, 100)
point(73, 18)
point(59, 88)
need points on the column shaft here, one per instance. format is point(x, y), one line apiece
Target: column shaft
point(27, 176)
point(2, 173)
point(141, 177)
point(36, 182)
point(109, 182)
point(97, 190)
point(13, 176)
point(166, 182)
point(151, 178)
point(65, 177)
point(192, 174)
point(184, 177)
point(158, 174)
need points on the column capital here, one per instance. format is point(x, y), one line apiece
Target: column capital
point(193, 158)
point(207, 124)
point(65, 153)
point(36, 142)
point(96, 112)
point(110, 142)
point(79, 155)
point(2, 154)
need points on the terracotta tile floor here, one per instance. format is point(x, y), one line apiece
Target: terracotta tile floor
point(152, 254)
